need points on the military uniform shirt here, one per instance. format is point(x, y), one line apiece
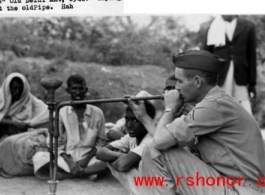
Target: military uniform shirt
point(229, 139)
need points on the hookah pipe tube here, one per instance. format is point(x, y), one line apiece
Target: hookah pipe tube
point(110, 100)
point(51, 85)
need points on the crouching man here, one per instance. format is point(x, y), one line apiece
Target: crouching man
point(227, 137)
point(124, 155)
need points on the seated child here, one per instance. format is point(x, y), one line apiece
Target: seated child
point(117, 131)
point(124, 155)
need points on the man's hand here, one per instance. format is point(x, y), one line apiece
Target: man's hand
point(138, 109)
point(75, 169)
point(84, 162)
point(252, 92)
point(45, 132)
point(173, 100)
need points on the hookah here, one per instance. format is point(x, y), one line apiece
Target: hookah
point(51, 85)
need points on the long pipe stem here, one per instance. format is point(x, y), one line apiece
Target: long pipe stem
point(66, 103)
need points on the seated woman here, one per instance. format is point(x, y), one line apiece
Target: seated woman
point(20, 112)
point(19, 109)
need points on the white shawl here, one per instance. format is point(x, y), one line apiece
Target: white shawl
point(28, 108)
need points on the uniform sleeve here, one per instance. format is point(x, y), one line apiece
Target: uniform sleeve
point(205, 118)
point(122, 144)
point(139, 149)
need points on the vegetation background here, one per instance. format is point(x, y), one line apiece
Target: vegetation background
point(116, 55)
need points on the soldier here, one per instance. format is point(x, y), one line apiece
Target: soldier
point(227, 136)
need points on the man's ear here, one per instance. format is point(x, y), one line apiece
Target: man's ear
point(86, 90)
point(198, 81)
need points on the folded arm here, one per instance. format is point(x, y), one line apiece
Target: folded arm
point(119, 161)
point(108, 154)
point(126, 162)
point(162, 139)
point(84, 162)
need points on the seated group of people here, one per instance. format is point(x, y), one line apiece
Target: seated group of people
point(24, 137)
point(203, 132)
point(24, 148)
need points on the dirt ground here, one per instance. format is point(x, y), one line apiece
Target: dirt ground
point(30, 185)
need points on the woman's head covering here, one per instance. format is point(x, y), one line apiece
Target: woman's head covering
point(28, 108)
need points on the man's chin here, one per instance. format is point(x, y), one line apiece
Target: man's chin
point(185, 100)
point(16, 98)
point(131, 134)
point(78, 99)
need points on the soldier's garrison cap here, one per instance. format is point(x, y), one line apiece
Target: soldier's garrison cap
point(199, 60)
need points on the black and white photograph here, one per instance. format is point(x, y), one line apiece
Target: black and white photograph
point(140, 104)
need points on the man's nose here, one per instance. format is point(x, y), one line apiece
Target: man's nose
point(16, 91)
point(78, 91)
point(129, 123)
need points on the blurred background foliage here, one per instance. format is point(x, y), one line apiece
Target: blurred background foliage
point(117, 55)
point(108, 40)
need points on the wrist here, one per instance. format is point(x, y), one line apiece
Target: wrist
point(172, 110)
point(145, 119)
